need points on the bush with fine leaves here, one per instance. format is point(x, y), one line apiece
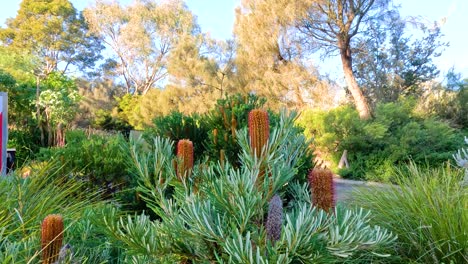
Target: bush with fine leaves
point(395, 135)
point(214, 133)
point(26, 142)
point(218, 214)
point(27, 200)
point(95, 159)
point(176, 126)
point(428, 212)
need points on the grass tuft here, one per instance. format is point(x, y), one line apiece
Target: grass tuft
point(427, 209)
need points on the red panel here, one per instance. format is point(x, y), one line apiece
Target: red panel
point(1, 141)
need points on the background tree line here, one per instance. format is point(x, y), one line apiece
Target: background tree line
point(115, 66)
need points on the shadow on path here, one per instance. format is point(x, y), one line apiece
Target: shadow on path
point(344, 188)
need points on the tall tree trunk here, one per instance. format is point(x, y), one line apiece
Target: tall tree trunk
point(360, 101)
point(50, 135)
point(60, 136)
point(38, 110)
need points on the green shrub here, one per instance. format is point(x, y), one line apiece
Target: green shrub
point(48, 190)
point(219, 213)
point(428, 212)
point(97, 160)
point(177, 126)
point(228, 116)
point(215, 132)
point(106, 121)
point(393, 137)
point(27, 143)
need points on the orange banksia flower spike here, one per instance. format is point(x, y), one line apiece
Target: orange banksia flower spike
point(51, 238)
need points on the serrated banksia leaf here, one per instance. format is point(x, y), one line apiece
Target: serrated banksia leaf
point(51, 238)
point(185, 158)
point(275, 218)
point(259, 130)
point(322, 189)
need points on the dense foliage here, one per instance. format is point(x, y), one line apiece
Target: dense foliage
point(427, 211)
point(235, 189)
point(226, 117)
point(214, 134)
point(397, 134)
point(48, 190)
point(95, 159)
point(218, 213)
point(26, 143)
point(178, 126)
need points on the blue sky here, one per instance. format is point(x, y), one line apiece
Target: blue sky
point(217, 17)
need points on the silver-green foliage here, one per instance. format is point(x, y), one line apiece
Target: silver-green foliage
point(218, 214)
point(461, 157)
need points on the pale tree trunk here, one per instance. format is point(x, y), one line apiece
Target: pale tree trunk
point(60, 136)
point(360, 101)
point(344, 160)
point(38, 111)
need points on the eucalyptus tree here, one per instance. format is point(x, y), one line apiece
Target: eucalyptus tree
point(204, 64)
point(54, 34)
point(201, 71)
point(141, 37)
point(331, 25)
point(391, 63)
point(270, 60)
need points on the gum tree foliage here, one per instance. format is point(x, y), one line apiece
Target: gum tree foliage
point(206, 67)
point(390, 63)
point(58, 102)
point(54, 33)
point(141, 37)
point(18, 98)
point(331, 25)
point(269, 60)
point(218, 213)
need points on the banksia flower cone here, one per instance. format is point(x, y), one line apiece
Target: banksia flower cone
point(259, 130)
point(185, 158)
point(275, 218)
point(322, 188)
point(51, 238)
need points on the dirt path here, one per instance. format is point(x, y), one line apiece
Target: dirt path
point(344, 188)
